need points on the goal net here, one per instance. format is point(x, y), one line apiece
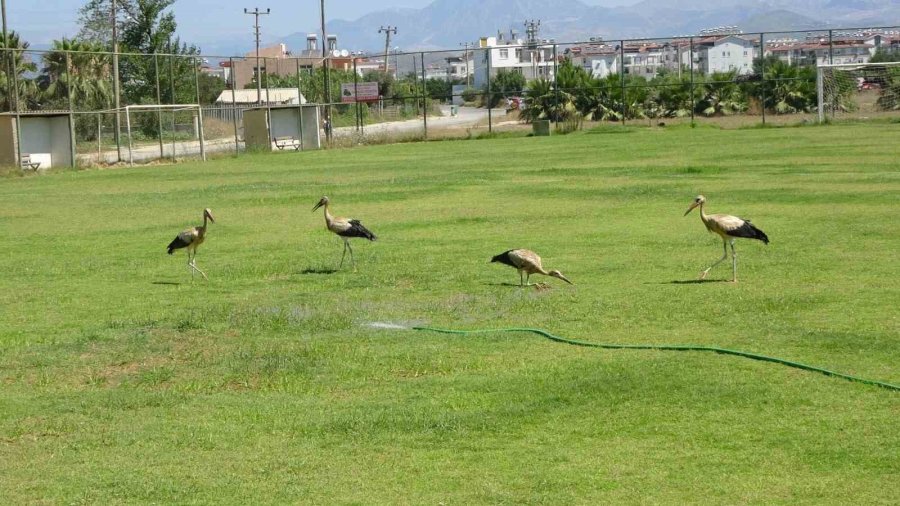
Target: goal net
point(163, 131)
point(858, 91)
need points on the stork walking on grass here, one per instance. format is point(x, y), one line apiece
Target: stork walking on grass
point(191, 239)
point(345, 228)
point(527, 262)
point(729, 229)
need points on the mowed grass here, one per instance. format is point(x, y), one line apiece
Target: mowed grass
point(122, 382)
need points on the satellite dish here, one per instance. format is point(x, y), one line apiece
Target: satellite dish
point(336, 53)
point(345, 53)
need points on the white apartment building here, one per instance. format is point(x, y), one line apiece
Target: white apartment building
point(727, 54)
point(458, 68)
point(511, 56)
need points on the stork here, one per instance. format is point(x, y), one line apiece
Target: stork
point(345, 228)
point(527, 262)
point(729, 229)
point(191, 239)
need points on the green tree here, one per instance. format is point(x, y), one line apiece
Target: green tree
point(438, 89)
point(86, 74)
point(504, 84)
point(785, 88)
point(15, 67)
point(671, 95)
point(210, 87)
point(883, 54)
point(94, 20)
point(720, 95)
point(150, 30)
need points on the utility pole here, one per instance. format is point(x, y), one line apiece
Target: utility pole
point(7, 58)
point(327, 94)
point(256, 13)
point(115, 48)
point(531, 32)
point(387, 43)
point(466, 56)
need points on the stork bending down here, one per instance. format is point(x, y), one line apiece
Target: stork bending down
point(191, 239)
point(527, 262)
point(729, 228)
point(345, 228)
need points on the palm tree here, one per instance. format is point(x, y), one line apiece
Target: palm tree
point(86, 75)
point(14, 68)
point(543, 102)
point(721, 96)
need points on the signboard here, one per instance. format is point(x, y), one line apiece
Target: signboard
point(367, 92)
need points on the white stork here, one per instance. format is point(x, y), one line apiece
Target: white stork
point(191, 239)
point(527, 262)
point(345, 228)
point(729, 228)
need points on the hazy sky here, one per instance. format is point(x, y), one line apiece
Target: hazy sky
point(41, 21)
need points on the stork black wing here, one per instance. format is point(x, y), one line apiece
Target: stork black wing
point(749, 231)
point(358, 230)
point(503, 258)
point(177, 243)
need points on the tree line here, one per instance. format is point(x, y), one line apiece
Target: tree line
point(774, 86)
point(77, 73)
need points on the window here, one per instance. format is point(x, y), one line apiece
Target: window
point(504, 54)
point(723, 53)
point(745, 53)
point(519, 54)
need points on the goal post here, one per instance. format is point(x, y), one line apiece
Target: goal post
point(173, 108)
point(862, 89)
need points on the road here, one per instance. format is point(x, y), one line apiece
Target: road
point(466, 117)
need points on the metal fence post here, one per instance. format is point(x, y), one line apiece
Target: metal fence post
point(356, 95)
point(820, 93)
point(622, 77)
point(327, 94)
point(556, 85)
point(69, 80)
point(172, 87)
point(234, 106)
point(830, 46)
point(691, 61)
point(159, 102)
point(195, 62)
point(266, 61)
point(488, 101)
point(762, 72)
point(299, 103)
point(424, 96)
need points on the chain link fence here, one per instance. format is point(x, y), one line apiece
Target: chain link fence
point(729, 80)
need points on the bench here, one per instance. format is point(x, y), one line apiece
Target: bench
point(28, 164)
point(287, 142)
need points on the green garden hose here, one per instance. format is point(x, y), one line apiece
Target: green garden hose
point(722, 351)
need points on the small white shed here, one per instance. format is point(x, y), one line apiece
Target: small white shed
point(282, 127)
point(44, 140)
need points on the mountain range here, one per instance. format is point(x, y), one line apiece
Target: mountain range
point(444, 24)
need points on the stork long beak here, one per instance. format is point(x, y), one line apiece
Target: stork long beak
point(691, 208)
point(560, 276)
point(210, 216)
point(317, 206)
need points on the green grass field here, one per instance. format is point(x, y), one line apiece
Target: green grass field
point(122, 382)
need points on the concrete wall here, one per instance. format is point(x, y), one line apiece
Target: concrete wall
point(8, 154)
point(311, 123)
point(256, 129)
point(260, 129)
point(61, 141)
